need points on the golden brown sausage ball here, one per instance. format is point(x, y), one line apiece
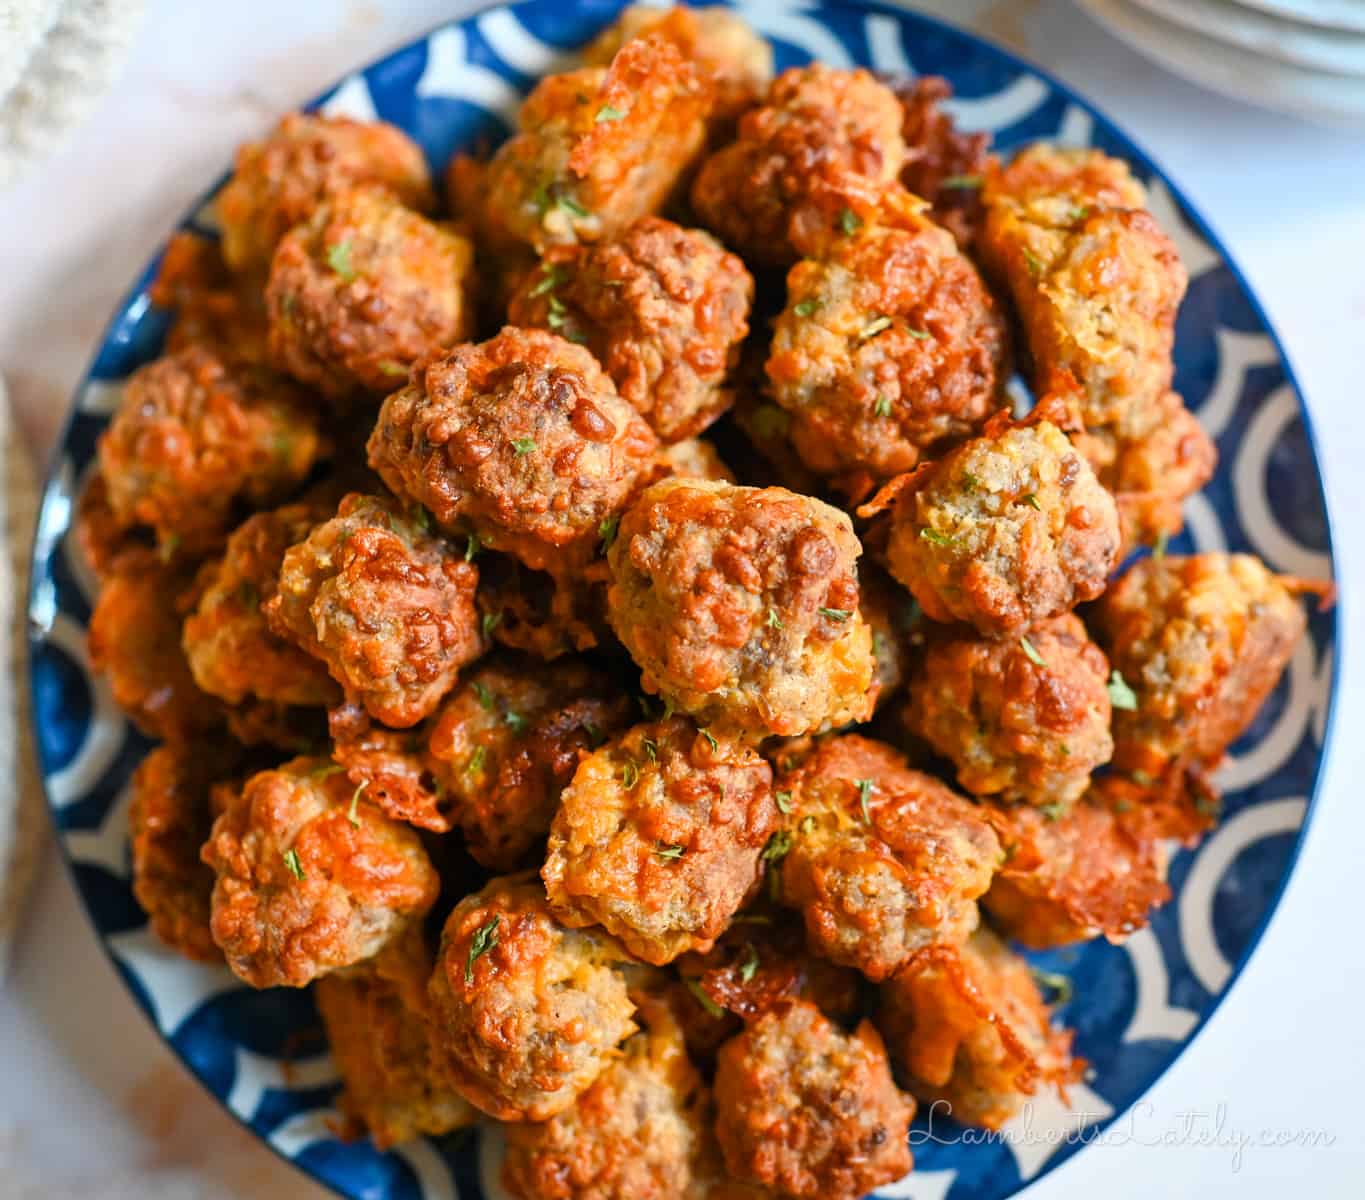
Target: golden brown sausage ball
point(596, 149)
point(740, 605)
point(169, 819)
point(385, 605)
point(362, 289)
point(817, 124)
point(378, 1028)
point(738, 61)
point(310, 876)
point(1007, 530)
point(527, 1013)
point(696, 458)
point(894, 618)
point(1023, 719)
point(102, 538)
point(230, 648)
point(1068, 877)
point(134, 641)
point(889, 345)
point(521, 440)
point(808, 1111)
point(277, 182)
point(1201, 641)
point(663, 308)
point(1094, 279)
point(658, 838)
point(493, 759)
point(881, 860)
point(944, 166)
point(969, 1029)
point(194, 435)
point(637, 1133)
point(211, 305)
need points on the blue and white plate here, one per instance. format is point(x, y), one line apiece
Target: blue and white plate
point(1135, 1006)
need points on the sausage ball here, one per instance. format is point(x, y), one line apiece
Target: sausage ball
point(169, 818)
point(637, 1133)
point(1201, 641)
point(278, 182)
point(718, 41)
point(528, 1013)
point(493, 759)
point(817, 123)
point(658, 838)
point(362, 289)
point(696, 458)
point(894, 619)
point(1095, 281)
point(540, 614)
point(1025, 720)
point(377, 1023)
point(1005, 531)
point(943, 165)
point(310, 876)
point(195, 435)
point(664, 310)
point(134, 641)
point(880, 860)
point(387, 607)
point(1068, 877)
point(808, 1111)
point(740, 606)
point(889, 345)
point(521, 440)
point(596, 149)
point(971, 1032)
point(230, 648)
point(210, 305)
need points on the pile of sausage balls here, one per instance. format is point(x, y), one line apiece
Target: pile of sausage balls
point(677, 801)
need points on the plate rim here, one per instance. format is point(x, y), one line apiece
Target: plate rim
point(1203, 226)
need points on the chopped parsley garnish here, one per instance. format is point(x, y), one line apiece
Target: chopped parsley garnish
point(962, 182)
point(1034, 264)
point(1141, 778)
point(291, 860)
point(472, 547)
point(835, 614)
point(784, 801)
point(421, 518)
point(1031, 499)
point(355, 800)
point(484, 695)
point(969, 481)
point(608, 113)
point(807, 825)
point(778, 847)
point(699, 995)
point(708, 735)
point(523, 445)
point(390, 367)
point(1058, 986)
point(165, 551)
point(664, 850)
point(325, 772)
point(865, 787)
point(874, 327)
point(939, 539)
point(1120, 694)
point(883, 406)
point(606, 530)
point(569, 204)
point(485, 938)
point(1053, 812)
point(630, 774)
point(920, 335)
point(773, 620)
point(849, 221)
point(804, 308)
point(595, 736)
point(490, 622)
point(1031, 652)
point(339, 259)
point(651, 748)
point(1159, 546)
point(515, 720)
point(551, 278)
point(749, 967)
point(475, 762)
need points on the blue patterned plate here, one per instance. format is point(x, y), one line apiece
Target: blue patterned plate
point(1136, 1006)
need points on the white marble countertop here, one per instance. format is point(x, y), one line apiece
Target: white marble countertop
point(93, 1105)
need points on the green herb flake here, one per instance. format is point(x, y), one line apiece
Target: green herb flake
point(939, 539)
point(1053, 812)
point(1034, 264)
point(961, 182)
point(1120, 694)
point(570, 205)
point(749, 967)
point(778, 847)
point(849, 221)
point(606, 530)
point(1031, 499)
point(355, 800)
point(710, 737)
point(485, 938)
point(665, 850)
point(339, 259)
point(595, 736)
point(865, 788)
point(476, 760)
point(630, 774)
point(1159, 546)
point(485, 697)
point(291, 860)
point(1031, 652)
point(807, 826)
point(1063, 749)
point(835, 614)
point(608, 113)
point(920, 335)
point(551, 277)
point(784, 801)
point(699, 995)
point(1141, 778)
point(651, 748)
point(523, 445)
point(1057, 986)
point(326, 772)
point(391, 367)
point(472, 547)
point(969, 482)
point(515, 720)
point(874, 327)
point(490, 622)
point(804, 308)
point(883, 406)
point(165, 551)
point(773, 621)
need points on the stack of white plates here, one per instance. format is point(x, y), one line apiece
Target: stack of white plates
point(1300, 56)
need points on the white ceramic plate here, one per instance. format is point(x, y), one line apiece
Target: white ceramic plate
point(1329, 14)
point(1242, 74)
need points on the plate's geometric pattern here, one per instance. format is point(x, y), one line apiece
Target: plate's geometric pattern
point(1135, 1006)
